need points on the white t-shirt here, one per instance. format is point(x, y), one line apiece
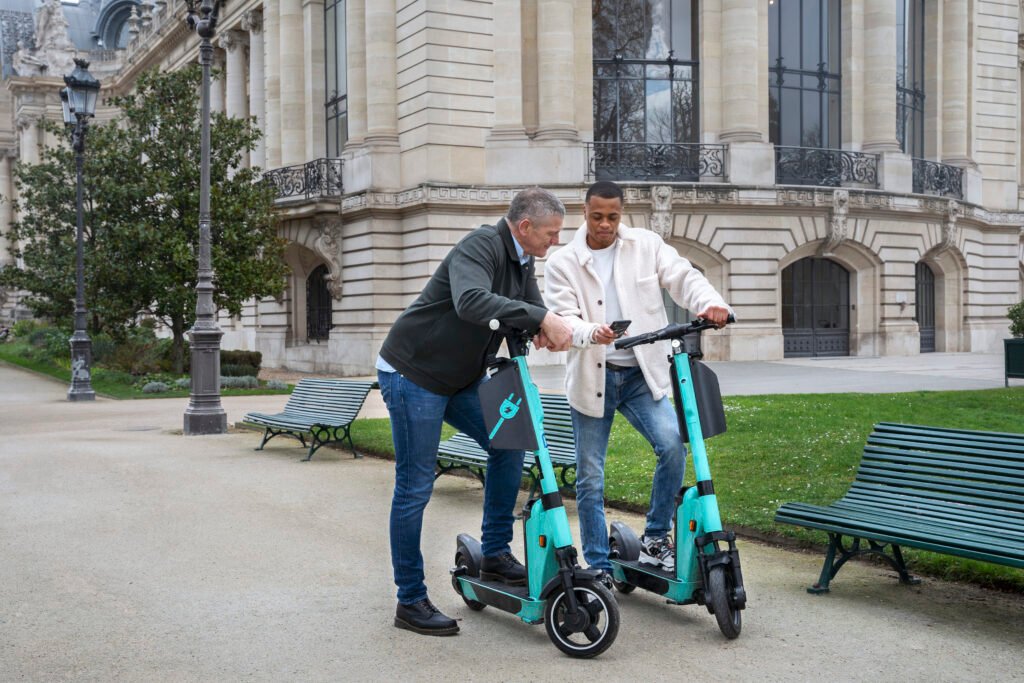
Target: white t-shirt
point(604, 265)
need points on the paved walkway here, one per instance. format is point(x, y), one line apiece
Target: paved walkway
point(131, 553)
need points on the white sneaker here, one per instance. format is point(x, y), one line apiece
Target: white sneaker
point(658, 552)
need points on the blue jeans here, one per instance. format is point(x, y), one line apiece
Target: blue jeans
point(416, 417)
point(627, 392)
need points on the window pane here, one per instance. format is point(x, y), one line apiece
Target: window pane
point(684, 112)
point(604, 111)
point(659, 111)
point(603, 15)
point(631, 102)
point(789, 33)
point(342, 51)
point(631, 38)
point(811, 35)
point(682, 29)
point(790, 116)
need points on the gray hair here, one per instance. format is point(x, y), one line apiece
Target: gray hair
point(534, 203)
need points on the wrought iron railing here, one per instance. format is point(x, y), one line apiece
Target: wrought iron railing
point(942, 180)
point(828, 167)
point(669, 162)
point(312, 180)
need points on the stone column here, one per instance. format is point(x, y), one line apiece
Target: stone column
point(381, 141)
point(29, 140)
point(6, 206)
point(272, 74)
point(355, 23)
point(293, 90)
point(895, 169)
point(252, 22)
point(508, 71)
point(955, 86)
point(555, 67)
point(314, 57)
point(880, 76)
point(750, 159)
point(739, 80)
point(235, 102)
point(217, 84)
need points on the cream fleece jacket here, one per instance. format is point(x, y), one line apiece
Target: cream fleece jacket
point(644, 265)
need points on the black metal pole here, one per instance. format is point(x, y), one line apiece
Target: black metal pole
point(81, 346)
point(204, 414)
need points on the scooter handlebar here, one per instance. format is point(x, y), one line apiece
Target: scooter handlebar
point(675, 331)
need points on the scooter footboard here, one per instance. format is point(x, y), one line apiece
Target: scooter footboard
point(728, 558)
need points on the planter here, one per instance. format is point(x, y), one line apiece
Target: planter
point(1014, 364)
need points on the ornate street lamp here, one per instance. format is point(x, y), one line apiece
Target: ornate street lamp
point(204, 414)
point(78, 102)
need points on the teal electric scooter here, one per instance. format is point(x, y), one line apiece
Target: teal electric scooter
point(707, 570)
point(579, 612)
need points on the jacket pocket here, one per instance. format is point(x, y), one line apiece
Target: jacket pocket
point(650, 293)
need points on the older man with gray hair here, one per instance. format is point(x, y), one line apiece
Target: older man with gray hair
point(429, 369)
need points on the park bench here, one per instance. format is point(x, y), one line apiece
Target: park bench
point(323, 409)
point(951, 491)
point(462, 452)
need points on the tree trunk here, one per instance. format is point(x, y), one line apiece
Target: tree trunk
point(178, 347)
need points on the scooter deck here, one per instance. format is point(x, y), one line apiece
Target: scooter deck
point(501, 595)
point(650, 578)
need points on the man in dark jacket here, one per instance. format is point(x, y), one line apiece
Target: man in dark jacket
point(429, 369)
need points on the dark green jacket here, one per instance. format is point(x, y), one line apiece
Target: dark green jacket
point(441, 341)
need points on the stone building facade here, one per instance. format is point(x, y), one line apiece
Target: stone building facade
point(847, 173)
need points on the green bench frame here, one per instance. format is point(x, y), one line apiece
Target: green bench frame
point(951, 491)
point(462, 452)
point(323, 409)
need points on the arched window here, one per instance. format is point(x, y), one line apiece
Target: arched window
point(336, 42)
point(924, 305)
point(645, 85)
point(910, 76)
point(318, 305)
point(805, 79)
point(112, 24)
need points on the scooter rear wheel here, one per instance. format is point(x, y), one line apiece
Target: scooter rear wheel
point(615, 551)
point(463, 562)
point(717, 595)
point(589, 634)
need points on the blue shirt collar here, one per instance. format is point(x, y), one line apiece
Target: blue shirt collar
point(523, 257)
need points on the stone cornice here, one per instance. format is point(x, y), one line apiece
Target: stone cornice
point(692, 198)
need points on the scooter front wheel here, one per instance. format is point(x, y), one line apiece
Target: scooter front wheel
point(592, 629)
point(717, 595)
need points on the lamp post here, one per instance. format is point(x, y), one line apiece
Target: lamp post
point(78, 103)
point(204, 414)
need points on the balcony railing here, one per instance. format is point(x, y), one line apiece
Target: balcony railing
point(828, 167)
point(942, 180)
point(653, 161)
point(313, 180)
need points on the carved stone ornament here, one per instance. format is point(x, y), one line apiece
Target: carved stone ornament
point(252, 21)
point(328, 246)
point(230, 40)
point(950, 228)
point(836, 223)
point(661, 214)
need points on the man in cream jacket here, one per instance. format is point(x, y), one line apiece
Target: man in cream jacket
point(611, 272)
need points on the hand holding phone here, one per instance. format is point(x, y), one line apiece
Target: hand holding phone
point(619, 327)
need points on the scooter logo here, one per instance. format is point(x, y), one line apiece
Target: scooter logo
point(507, 410)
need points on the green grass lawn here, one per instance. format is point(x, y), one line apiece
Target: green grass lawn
point(796, 448)
point(102, 382)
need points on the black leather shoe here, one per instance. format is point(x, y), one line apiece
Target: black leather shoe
point(505, 568)
point(423, 617)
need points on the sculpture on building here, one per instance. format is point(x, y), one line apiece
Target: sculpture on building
point(328, 246)
point(836, 223)
point(52, 28)
point(54, 52)
point(661, 214)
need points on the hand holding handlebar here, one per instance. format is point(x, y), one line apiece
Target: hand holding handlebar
point(676, 331)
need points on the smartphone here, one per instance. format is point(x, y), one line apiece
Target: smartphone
point(619, 327)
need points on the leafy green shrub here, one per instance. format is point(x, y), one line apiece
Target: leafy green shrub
point(149, 378)
point(235, 370)
point(183, 383)
point(103, 347)
point(139, 354)
point(155, 388)
point(1016, 315)
point(233, 357)
point(23, 328)
point(113, 376)
point(239, 382)
point(276, 384)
